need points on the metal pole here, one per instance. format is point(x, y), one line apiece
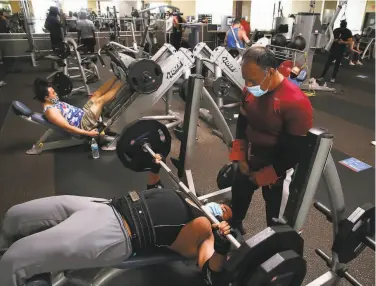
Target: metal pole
point(28, 24)
point(117, 34)
point(335, 193)
point(198, 84)
point(218, 118)
point(323, 152)
point(192, 106)
point(169, 95)
point(134, 38)
point(198, 64)
point(217, 74)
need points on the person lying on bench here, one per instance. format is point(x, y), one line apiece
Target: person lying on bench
point(59, 233)
point(82, 121)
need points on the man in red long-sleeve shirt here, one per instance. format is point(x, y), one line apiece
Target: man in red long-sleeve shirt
point(274, 117)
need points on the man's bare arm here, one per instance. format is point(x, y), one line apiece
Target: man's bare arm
point(243, 37)
point(54, 116)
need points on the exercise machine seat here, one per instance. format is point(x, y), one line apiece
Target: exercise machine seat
point(157, 257)
point(21, 109)
point(39, 118)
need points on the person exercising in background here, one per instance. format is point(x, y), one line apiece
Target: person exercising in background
point(342, 38)
point(86, 32)
point(61, 233)
point(239, 36)
point(82, 121)
point(274, 117)
point(245, 25)
point(53, 25)
point(355, 51)
point(177, 31)
point(4, 28)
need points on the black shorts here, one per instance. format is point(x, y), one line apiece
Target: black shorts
point(89, 44)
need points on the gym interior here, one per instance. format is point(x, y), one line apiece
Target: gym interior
point(178, 68)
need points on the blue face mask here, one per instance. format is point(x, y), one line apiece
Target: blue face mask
point(256, 89)
point(215, 209)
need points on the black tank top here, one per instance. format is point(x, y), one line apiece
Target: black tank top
point(169, 213)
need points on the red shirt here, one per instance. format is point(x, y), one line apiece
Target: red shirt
point(284, 111)
point(246, 26)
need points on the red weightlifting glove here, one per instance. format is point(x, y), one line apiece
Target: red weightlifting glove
point(238, 150)
point(265, 177)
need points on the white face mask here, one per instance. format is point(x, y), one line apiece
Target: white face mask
point(54, 100)
point(256, 90)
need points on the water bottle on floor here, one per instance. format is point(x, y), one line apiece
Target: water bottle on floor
point(94, 149)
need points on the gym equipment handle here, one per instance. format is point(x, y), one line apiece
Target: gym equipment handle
point(346, 275)
point(191, 195)
point(370, 242)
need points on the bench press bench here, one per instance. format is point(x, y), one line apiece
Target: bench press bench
point(162, 256)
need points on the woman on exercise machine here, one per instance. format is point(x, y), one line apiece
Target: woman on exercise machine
point(82, 121)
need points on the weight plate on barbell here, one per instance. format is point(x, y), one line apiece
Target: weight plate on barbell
point(144, 76)
point(283, 269)
point(130, 149)
point(226, 175)
point(348, 243)
point(62, 84)
point(221, 87)
point(259, 248)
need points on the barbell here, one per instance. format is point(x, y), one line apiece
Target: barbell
point(264, 259)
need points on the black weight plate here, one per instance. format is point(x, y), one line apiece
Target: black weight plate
point(260, 248)
point(226, 175)
point(221, 87)
point(285, 268)
point(62, 84)
point(348, 243)
point(144, 76)
point(130, 149)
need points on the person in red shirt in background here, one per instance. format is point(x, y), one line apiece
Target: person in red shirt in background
point(274, 117)
point(246, 26)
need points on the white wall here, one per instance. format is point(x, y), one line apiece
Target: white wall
point(188, 8)
point(125, 7)
point(354, 12)
point(246, 9)
point(262, 14)
point(217, 8)
point(73, 5)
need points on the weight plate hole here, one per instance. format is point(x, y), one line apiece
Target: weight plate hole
point(134, 81)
